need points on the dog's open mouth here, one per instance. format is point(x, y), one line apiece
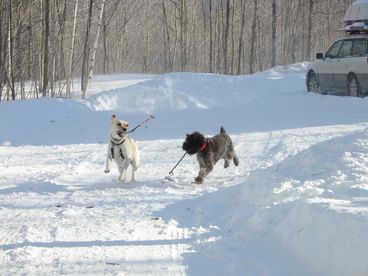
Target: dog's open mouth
point(120, 133)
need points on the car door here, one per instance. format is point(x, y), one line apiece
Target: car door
point(359, 65)
point(324, 66)
point(342, 65)
point(352, 58)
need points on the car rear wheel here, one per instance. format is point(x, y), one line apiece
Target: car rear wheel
point(353, 86)
point(312, 83)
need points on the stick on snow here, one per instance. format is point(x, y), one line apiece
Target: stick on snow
point(172, 171)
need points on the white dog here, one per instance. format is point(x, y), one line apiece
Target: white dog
point(122, 149)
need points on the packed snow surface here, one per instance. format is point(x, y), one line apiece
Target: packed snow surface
point(296, 205)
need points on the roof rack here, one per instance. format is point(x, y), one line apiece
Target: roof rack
point(356, 28)
point(356, 18)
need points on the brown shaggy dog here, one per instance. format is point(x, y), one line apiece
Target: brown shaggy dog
point(209, 151)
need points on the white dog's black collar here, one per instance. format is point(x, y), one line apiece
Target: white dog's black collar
point(119, 143)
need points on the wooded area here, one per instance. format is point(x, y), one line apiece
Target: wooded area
point(44, 44)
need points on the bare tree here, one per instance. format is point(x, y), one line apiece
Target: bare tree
point(183, 17)
point(309, 33)
point(45, 49)
point(69, 73)
point(2, 69)
point(93, 51)
point(226, 36)
point(168, 47)
point(10, 75)
point(273, 32)
point(211, 50)
point(241, 37)
point(253, 38)
point(84, 72)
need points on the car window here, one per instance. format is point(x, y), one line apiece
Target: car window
point(359, 47)
point(345, 50)
point(334, 50)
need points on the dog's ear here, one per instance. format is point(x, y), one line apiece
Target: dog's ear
point(188, 135)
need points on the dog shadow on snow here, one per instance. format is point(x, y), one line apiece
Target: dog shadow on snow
point(42, 188)
point(50, 188)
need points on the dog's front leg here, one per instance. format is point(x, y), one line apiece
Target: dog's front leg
point(122, 170)
point(108, 159)
point(122, 175)
point(203, 172)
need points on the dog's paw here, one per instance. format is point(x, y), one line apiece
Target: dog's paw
point(107, 171)
point(198, 180)
point(236, 161)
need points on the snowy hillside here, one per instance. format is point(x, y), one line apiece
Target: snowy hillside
point(296, 205)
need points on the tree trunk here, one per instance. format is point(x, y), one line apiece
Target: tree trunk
point(309, 32)
point(69, 75)
point(273, 33)
point(2, 71)
point(183, 17)
point(145, 54)
point(211, 50)
point(253, 39)
point(46, 38)
point(106, 19)
point(18, 66)
point(232, 50)
point(241, 39)
point(30, 47)
point(60, 70)
point(86, 53)
point(204, 33)
point(94, 49)
point(10, 76)
point(165, 28)
point(226, 36)
point(218, 39)
point(105, 47)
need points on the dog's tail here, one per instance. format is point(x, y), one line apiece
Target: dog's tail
point(222, 130)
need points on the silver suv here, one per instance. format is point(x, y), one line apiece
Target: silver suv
point(343, 70)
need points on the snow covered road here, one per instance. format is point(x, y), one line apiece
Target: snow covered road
point(62, 214)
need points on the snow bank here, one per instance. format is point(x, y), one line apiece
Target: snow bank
point(50, 121)
point(181, 91)
point(315, 204)
point(306, 214)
